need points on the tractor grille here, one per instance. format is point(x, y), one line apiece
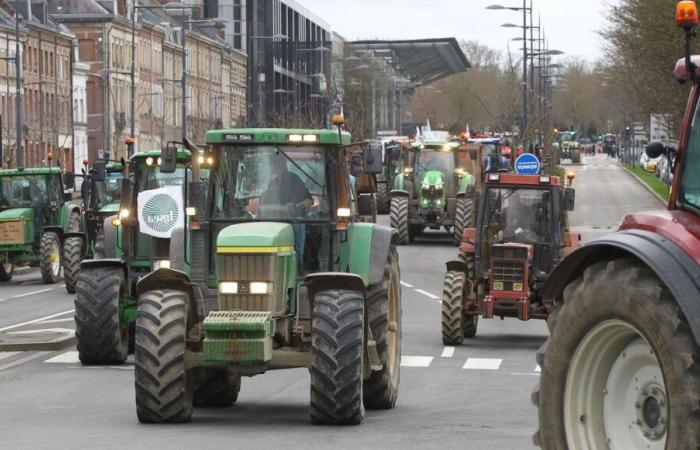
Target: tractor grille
point(508, 272)
point(245, 268)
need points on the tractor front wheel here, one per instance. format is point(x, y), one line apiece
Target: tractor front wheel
point(384, 314)
point(50, 263)
point(399, 218)
point(337, 347)
point(621, 368)
point(100, 338)
point(453, 323)
point(164, 387)
point(218, 388)
point(464, 212)
point(382, 198)
point(72, 252)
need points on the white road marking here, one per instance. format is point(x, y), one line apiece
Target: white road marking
point(17, 325)
point(70, 357)
point(404, 284)
point(71, 319)
point(416, 361)
point(125, 367)
point(538, 369)
point(482, 363)
point(524, 374)
point(427, 294)
point(20, 361)
point(5, 355)
point(32, 293)
point(448, 352)
point(44, 330)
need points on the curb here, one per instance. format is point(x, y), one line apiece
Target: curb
point(646, 186)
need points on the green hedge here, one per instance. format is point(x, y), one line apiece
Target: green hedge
point(651, 180)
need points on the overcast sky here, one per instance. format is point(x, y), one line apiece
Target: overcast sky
point(570, 25)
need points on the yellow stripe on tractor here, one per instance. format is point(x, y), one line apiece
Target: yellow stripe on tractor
point(287, 248)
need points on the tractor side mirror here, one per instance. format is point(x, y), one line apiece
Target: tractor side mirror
point(99, 169)
point(569, 198)
point(656, 149)
point(372, 157)
point(168, 158)
point(356, 165)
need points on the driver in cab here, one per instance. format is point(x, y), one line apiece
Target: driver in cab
point(285, 187)
point(519, 221)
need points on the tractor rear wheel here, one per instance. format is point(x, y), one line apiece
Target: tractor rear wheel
point(100, 338)
point(399, 218)
point(621, 368)
point(337, 348)
point(464, 212)
point(50, 263)
point(453, 323)
point(164, 388)
point(382, 198)
point(218, 389)
point(384, 314)
point(72, 252)
point(6, 270)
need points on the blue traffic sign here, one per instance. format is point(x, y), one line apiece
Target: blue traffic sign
point(527, 164)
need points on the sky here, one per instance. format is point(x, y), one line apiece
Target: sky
point(570, 25)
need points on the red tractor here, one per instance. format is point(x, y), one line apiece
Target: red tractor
point(522, 235)
point(621, 368)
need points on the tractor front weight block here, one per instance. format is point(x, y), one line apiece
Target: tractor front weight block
point(238, 337)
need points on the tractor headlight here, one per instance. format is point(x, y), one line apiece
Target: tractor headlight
point(438, 186)
point(260, 287)
point(124, 213)
point(161, 264)
point(517, 286)
point(228, 287)
point(497, 285)
point(425, 185)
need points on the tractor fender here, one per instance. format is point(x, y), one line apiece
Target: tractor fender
point(399, 193)
point(79, 234)
point(370, 245)
point(173, 279)
point(100, 263)
point(66, 210)
point(55, 229)
point(674, 267)
point(322, 281)
point(109, 237)
point(456, 266)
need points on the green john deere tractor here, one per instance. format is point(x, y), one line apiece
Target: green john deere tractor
point(36, 217)
point(432, 192)
point(101, 194)
point(299, 283)
point(140, 238)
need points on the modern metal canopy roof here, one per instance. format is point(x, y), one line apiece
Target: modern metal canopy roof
point(419, 61)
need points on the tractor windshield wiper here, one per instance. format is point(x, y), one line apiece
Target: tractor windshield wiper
point(299, 167)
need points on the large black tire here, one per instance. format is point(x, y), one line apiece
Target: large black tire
point(464, 213)
point(6, 271)
point(337, 347)
point(399, 217)
point(74, 221)
point(106, 242)
point(626, 300)
point(100, 338)
point(50, 262)
point(218, 388)
point(452, 310)
point(382, 198)
point(72, 253)
point(164, 389)
point(384, 314)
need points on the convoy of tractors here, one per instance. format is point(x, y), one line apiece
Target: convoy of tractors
point(260, 251)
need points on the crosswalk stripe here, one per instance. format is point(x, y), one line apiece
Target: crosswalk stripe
point(70, 357)
point(416, 361)
point(538, 368)
point(448, 352)
point(482, 363)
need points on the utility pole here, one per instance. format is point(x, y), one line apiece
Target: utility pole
point(19, 158)
point(132, 129)
point(184, 82)
point(523, 131)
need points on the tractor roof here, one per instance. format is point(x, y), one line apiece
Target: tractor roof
point(432, 145)
point(489, 140)
point(30, 171)
point(114, 167)
point(522, 180)
point(247, 136)
point(182, 154)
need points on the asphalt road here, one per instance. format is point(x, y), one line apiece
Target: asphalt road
point(476, 396)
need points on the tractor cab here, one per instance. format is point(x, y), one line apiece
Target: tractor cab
point(101, 193)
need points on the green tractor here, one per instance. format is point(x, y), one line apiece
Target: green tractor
point(130, 245)
point(394, 158)
point(299, 282)
point(432, 191)
point(36, 218)
point(569, 147)
point(101, 194)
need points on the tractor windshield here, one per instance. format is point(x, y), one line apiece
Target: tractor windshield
point(109, 190)
point(518, 215)
point(267, 182)
point(435, 160)
point(25, 191)
point(150, 177)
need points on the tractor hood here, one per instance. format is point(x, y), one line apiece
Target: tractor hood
point(17, 214)
point(432, 178)
point(110, 207)
point(256, 234)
